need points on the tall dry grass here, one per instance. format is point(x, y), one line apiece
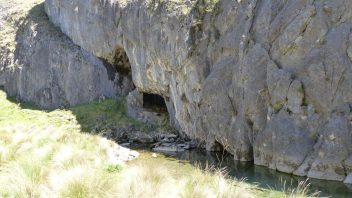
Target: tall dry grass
point(45, 154)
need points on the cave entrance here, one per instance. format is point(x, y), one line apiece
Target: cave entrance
point(119, 71)
point(154, 103)
point(214, 146)
point(121, 62)
point(148, 108)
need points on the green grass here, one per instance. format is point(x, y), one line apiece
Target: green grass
point(162, 177)
point(46, 154)
point(108, 114)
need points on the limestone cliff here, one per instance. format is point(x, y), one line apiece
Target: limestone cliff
point(41, 65)
point(271, 81)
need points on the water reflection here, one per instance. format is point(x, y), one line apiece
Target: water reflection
point(262, 176)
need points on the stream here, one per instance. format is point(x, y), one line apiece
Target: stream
point(261, 176)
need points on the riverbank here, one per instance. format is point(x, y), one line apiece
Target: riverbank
point(50, 154)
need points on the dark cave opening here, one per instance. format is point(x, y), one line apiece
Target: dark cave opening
point(119, 70)
point(118, 63)
point(154, 102)
point(217, 147)
point(121, 62)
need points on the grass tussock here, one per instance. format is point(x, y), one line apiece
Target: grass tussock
point(45, 154)
point(165, 177)
point(289, 190)
point(162, 178)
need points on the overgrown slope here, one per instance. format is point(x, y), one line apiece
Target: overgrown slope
point(45, 154)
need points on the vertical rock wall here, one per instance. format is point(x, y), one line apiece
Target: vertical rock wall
point(269, 80)
point(44, 66)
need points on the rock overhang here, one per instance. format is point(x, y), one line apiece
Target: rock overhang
point(237, 73)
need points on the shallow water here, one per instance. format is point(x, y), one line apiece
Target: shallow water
point(261, 176)
point(264, 177)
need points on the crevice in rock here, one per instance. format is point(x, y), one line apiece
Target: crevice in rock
point(251, 135)
point(234, 110)
point(214, 146)
point(219, 147)
point(344, 167)
point(339, 83)
point(119, 70)
point(110, 69)
point(198, 28)
point(119, 63)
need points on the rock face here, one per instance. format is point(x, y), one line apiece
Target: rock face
point(46, 68)
point(270, 81)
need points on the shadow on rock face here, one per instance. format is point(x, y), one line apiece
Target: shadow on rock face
point(51, 71)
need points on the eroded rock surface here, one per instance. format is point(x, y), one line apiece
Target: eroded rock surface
point(271, 81)
point(262, 78)
point(44, 67)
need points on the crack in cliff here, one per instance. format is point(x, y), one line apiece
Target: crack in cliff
point(244, 42)
point(232, 105)
point(307, 159)
point(201, 9)
point(342, 76)
point(276, 35)
point(250, 11)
